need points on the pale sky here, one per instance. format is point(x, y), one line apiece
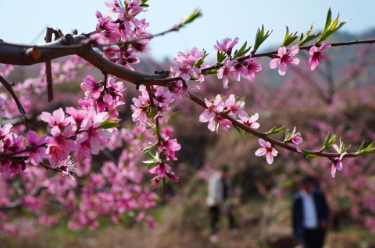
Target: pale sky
point(22, 20)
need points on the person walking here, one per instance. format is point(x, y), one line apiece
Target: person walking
point(310, 214)
point(219, 190)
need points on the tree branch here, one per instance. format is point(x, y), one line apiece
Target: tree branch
point(9, 88)
point(6, 155)
point(17, 54)
point(267, 54)
point(264, 136)
point(48, 39)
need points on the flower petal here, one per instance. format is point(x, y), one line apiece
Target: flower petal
point(261, 152)
point(333, 170)
point(263, 143)
point(269, 158)
point(275, 63)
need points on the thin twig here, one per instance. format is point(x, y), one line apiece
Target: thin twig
point(160, 137)
point(9, 88)
point(149, 37)
point(31, 148)
point(267, 54)
point(49, 167)
point(264, 136)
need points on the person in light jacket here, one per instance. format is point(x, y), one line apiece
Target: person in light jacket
point(219, 190)
point(310, 214)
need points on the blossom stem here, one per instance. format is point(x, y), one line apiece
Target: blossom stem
point(49, 167)
point(160, 138)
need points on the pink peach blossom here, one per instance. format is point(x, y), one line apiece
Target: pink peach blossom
point(267, 151)
point(284, 58)
point(316, 55)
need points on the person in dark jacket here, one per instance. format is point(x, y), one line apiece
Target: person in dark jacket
point(310, 214)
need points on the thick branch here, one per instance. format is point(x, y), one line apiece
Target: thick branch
point(16, 54)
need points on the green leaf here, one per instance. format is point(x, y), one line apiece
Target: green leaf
point(260, 37)
point(193, 16)
point(289, 38)
point(220, 57)
point(336, 148)
point(362, 146)
point(150, 155)
point(109, 114)
point(327, 138)
point(242, 99)
point(150, 165)
point(334, 24)
point(331, 26)
point(257, 37)
point(276, 130)
point(330, 139)
point(152, 113)
point(328, 20)
point(149, 148)
point(242, 132)
point(368, 148)
point(151, 161)
point(362, 150)
point(109, 124)
point(173, 114)
point(309, 154)
point(213, 71)
point(243, 50)
point(343, 148)
point(125, 164)
point(278, 150)
point(288, 135)
point(201, 61)
point(307, 38)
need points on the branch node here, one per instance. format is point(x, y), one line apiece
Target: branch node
point(67, 39)
point(33, 53)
